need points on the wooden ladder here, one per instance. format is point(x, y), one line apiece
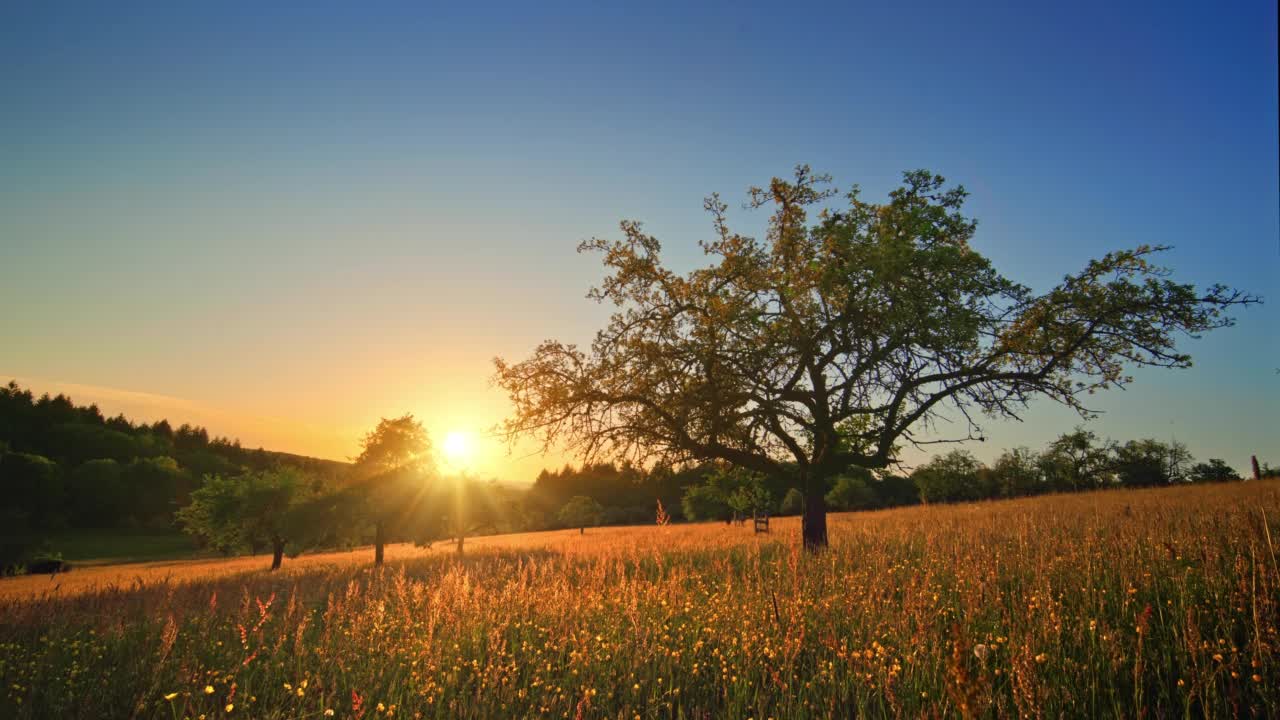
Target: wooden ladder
point(760, 522)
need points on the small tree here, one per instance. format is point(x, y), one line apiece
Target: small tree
point(895, 490)
point(792, 502)
point(581, 511)
point(724, 492)
point(1076, 461)
point(394, 464)
point(705, 502)
point(750, 498)
point(1147, 463)
point(213, 516)
point(267, 502)
point(744, 491)
point(255, 509)
point(1018, 472)
point(1216, 470)
point(455, 509)
point(851, 491)
point(948, 478)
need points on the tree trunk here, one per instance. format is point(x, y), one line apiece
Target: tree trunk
point(277, 553)
point(379, 543)
point(461, 539)
point(582, 531)
point(813, 523)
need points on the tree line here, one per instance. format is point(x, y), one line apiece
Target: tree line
point(1074, 462)
point(66, 466)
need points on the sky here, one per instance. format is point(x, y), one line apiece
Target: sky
point(285, 222)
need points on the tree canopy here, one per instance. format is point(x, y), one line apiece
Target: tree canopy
point(391, 472)
point(262, 508)
point(826, 344)
point(581, 511)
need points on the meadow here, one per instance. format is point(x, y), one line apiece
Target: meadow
point(1155, 603)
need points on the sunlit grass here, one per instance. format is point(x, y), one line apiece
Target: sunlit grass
point(1083, 605)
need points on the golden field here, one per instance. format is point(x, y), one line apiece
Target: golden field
point(1163, 603)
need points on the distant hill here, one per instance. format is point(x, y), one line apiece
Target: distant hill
point(67, 466)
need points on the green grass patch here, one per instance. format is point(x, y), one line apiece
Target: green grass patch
point(101, 547)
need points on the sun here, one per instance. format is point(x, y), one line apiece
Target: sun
point(457, 447)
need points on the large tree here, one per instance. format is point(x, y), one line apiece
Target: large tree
point(827, 343)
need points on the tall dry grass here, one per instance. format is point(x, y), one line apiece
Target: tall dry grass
point(1160, 603)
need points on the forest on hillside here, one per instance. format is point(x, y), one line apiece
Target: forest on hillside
point(67, 466)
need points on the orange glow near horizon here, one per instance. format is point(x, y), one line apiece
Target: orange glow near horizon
point(331, 426)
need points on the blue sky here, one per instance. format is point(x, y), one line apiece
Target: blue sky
point(303, 218)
